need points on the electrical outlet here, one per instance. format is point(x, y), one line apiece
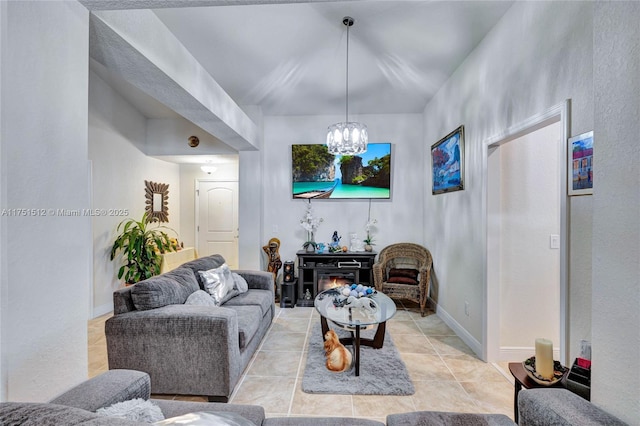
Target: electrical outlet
point(466, 308)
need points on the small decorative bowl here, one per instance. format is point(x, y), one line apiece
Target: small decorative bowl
point(558, 372)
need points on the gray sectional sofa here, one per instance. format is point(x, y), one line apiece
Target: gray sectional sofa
point(189, 349)
point(77, 406)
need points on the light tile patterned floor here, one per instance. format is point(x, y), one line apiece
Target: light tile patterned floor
point(446, 374)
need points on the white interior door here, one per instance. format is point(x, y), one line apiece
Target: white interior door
point(525, 182)
point(217, 220)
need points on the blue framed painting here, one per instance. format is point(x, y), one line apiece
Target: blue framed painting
point(447, 162)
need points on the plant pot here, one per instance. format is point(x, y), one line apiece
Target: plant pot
point(310, 248)
point(368, 247)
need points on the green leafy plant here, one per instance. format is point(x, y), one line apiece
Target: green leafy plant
point(140, 247)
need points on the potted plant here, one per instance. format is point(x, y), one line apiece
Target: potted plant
point(140, 247)
point(369, 240)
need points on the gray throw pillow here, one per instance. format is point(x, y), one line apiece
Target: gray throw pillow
point(200, 298)
point(240, 283)
point(218, 282)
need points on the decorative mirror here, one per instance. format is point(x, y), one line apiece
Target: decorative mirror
point(157, 204)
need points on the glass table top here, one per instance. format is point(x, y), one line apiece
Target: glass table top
point(368, 310)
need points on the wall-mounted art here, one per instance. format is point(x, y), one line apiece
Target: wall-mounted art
point(447, 162)
point(580, 167)
point(157, 201)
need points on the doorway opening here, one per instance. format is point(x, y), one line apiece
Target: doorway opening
point(526, 250)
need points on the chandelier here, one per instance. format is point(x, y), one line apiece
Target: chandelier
point(348, 137)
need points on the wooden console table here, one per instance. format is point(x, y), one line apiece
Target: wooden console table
point(354, 266)
point(174, 259)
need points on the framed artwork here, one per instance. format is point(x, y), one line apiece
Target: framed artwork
point(447, 162)
point(580, 167)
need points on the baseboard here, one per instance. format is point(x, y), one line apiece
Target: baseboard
point(460, 331)
point(518, 353)
point(98, 311)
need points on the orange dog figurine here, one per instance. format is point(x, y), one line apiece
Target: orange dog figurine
point(338, 357)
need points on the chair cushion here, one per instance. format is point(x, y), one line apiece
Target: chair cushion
point(170, 288)
point(403, 276)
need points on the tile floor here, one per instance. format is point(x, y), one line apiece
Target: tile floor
point(446, 374)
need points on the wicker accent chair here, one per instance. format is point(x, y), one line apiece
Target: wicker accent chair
point(408, 267)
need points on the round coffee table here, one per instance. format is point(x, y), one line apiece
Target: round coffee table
point(380, 308)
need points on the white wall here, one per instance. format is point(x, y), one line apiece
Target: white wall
point(227, 170)
point(616, 209)
point(399, 219)
point(529, 213)
point(117, 136)
point(538, 55)
point(45, 295)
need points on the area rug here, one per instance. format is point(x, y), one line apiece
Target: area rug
point(382, 371)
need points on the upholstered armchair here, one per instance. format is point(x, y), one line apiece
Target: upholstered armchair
point(403, 271)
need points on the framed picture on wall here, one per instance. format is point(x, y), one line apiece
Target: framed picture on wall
point(580, 167)
point(447, 162)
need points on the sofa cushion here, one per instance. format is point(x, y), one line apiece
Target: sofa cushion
point(209, 418)
point(319, 421)
point(443, 418)
point(203, 264)
point(170, 288)
point(261, 298)
point(249, 318)
point(557, 406)
point(38, 414)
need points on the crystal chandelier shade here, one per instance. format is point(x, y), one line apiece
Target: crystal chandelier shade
point(348, 137)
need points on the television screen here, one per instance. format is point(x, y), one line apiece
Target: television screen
point(317, 174)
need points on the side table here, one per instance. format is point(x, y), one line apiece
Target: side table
point(522, 380)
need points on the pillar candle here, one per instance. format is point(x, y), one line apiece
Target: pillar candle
point(544, 358)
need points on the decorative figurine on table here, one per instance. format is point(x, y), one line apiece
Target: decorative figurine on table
point(356, 243)
point(320, 247)
point(335, 243)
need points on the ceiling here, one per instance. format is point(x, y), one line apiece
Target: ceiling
point(290, 58)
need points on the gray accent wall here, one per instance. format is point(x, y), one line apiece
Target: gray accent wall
point(616, 209)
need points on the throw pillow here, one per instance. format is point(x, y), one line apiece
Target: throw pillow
point(200, 298)
point(404, 272)
point(207, 418)
point(137, 410)
point(217, 282)
point(240, 283)
point(402, 280)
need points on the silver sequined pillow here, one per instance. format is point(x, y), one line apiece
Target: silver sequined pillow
point(217, 282)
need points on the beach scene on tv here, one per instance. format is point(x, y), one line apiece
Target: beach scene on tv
point(317, 174)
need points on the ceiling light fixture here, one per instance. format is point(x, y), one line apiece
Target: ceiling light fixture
point(348, 137)
point(208, 169)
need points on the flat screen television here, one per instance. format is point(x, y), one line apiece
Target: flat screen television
point(317, 174)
